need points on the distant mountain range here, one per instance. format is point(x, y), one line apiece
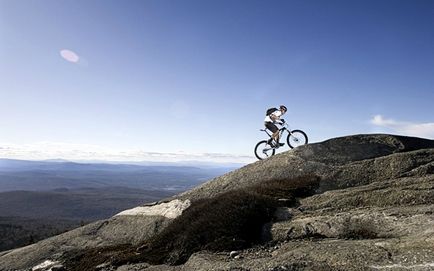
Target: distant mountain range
point(5, 163)
point(49, 175)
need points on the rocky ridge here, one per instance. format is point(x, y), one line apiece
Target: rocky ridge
point(372, 209)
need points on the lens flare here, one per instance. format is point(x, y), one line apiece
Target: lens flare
point(69, 55)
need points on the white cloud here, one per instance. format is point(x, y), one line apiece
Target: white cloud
point(406, 128)
point(78, 152)
point(69, 55)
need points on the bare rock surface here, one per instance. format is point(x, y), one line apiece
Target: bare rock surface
point(170, 209)
point(372, 210)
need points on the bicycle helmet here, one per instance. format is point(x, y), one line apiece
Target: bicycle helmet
point(282, 107)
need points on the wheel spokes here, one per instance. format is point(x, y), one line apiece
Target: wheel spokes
point(263, 150)
point(297, 139)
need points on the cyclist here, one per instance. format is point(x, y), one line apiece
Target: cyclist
point(271, 120)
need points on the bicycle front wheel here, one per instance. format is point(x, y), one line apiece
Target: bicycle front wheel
point(296, 138)
point(263, 150)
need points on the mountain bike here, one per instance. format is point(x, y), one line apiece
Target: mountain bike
point(267, 148)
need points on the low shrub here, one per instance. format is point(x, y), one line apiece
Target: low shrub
point(360, 230)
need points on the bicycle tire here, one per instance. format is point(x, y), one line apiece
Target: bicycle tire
point(296, 138)
point(260, 150)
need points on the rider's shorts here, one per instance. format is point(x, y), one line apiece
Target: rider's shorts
point(270, 126)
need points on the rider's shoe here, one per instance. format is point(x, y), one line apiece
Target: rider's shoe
point(277, 145)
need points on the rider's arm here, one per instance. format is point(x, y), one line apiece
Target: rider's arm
point(275, 117)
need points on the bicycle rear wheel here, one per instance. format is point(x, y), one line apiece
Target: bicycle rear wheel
point(296, 138)
point(263, 150)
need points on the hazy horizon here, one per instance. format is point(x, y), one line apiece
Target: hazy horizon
point(144, 163)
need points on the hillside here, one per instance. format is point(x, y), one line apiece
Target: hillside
point(361, 202)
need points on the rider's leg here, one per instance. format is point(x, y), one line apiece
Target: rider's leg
point(273, 128)
point(276, 136)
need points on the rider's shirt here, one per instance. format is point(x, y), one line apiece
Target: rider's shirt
point(277, 114)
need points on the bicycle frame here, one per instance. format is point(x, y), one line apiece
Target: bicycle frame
point(281, 131)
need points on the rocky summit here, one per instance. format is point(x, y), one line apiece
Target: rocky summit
point(362, 202)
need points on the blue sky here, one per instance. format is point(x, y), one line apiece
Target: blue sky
point(196, 77)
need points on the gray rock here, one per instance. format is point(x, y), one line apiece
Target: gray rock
point(234, 254)
point(285, 213)
point(58, 267)
point(102, 266)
